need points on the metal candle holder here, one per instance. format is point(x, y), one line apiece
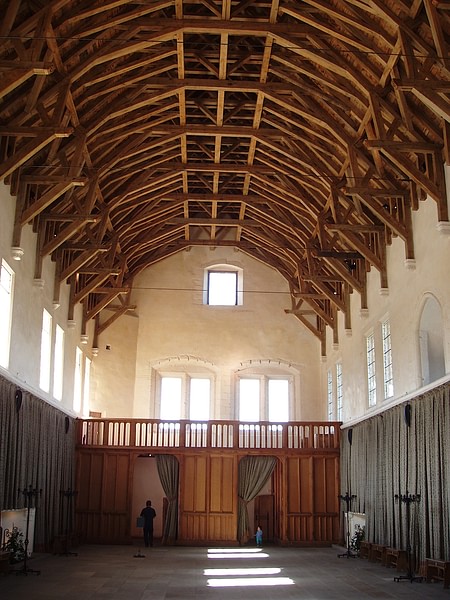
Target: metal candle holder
point(408, 499)
point(348, 499)
point(29, 494)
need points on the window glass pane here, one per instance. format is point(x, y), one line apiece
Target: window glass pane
point(170, 398)
point(222, 288)
point(87, 386)
point(330, 395)
point(200, 392)
point(278, 390)
point(46, 351)
point(249, 400)
point(387, 360)
point(6, 291)
point(371, 375)
point(58, 366)
point(77, 384)
point(339, 392)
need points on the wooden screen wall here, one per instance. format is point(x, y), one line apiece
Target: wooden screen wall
point(103, 502)
point(208, 498)
point(312, 503)
point(305, 488)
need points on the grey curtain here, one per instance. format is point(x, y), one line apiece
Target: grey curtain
point(37, 449)
point(168, 470)
point(253, 473)
point(393, 455)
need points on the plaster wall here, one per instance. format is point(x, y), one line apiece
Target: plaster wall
point(114, 369)
point(177, 331)
point(409, 284)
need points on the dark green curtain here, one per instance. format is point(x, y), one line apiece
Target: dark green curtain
point(254, 471)
point(403, 451)
point(37, 449)
point(168, 470)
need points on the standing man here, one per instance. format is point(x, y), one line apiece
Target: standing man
point(148, 513)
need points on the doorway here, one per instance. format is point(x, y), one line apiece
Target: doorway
point(264, 513)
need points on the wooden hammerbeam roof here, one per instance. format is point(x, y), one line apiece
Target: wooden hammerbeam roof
point(303, 133)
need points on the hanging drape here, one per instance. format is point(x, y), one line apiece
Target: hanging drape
point(168, 471)
point(254, 471)
point(403, 451)
point(37, 449)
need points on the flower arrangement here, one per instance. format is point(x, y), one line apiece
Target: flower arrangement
point(14, 545)
point(357, 537)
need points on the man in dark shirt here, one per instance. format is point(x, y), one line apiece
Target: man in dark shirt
point(148, 513)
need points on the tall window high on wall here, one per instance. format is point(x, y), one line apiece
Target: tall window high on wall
point(371, 374)
point(330, 402)
point(46, 351)
point(264, 398)
point(6, 300)
point(86, 386)
point(339, 392)
point(387, 360)
point(78, 381)
point(58, 364)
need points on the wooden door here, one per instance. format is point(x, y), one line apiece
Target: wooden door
point(264, 516)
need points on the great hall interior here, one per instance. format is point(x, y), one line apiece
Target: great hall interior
point(225, 249)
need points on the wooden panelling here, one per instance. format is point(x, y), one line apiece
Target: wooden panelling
point(193, 479)
point(222, 528)
point(222, 489)
point(299, 528)
point(208, 498)
point(102, 505)
point(312, 485)
point(300, 476)
point(319, 485)
point(90, 474)
point(116, 482)
point(306, 488)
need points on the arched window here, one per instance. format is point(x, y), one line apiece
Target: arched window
point(431, 341)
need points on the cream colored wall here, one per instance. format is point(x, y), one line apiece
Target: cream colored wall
point(408, 289)
point(114, 369)
point(174, 323)
point(28, 303)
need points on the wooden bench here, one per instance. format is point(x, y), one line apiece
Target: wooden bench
point(396, 558)
point(377, 553)
point(364, 549)
point(437, 570)
point(4, 562)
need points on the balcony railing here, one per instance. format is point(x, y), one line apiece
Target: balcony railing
point(154, 434)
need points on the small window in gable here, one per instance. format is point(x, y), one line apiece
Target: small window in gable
point(223, 286)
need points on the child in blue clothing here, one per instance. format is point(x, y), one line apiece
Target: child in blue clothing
point(259, 536)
